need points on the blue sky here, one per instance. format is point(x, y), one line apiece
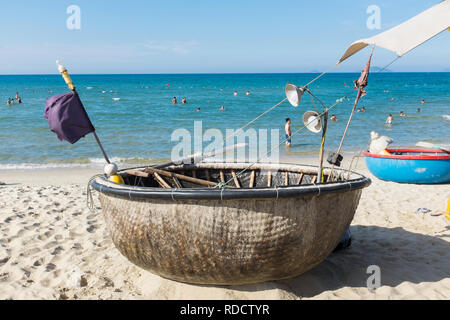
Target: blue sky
point(199, 36)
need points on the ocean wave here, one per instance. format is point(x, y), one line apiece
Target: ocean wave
point(78, 163)
point(29, 166)
point(120, 160)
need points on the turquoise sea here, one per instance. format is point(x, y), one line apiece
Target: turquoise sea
point(138, 127)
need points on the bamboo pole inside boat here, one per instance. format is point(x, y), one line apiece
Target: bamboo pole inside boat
point(171, 174)
point(222, 176)
point(236, 181)
point(177, 182)
point(182, 177)
point(286, 178)
point(269, 179)
point(314, 179)
point(252, 179)
point(257, 166)
point(137, 173)
point(300, 178)
point(161, 181)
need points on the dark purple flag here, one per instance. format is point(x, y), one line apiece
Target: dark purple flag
point(67, 117)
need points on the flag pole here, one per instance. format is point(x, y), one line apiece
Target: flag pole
point(71, 86)
point(101, 148)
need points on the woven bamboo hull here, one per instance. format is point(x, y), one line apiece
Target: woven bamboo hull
point(229, 242)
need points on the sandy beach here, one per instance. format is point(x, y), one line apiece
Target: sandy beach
point(53, 247)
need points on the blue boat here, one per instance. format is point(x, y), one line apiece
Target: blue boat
point(420, 166)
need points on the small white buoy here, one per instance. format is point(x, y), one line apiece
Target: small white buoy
point(110, 169)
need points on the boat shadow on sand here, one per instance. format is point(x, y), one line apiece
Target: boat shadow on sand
point(402, 256)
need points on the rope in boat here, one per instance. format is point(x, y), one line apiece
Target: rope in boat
point(89, 197)
point(312, 100)
point(387, 66)
point(223, 184)
point(307, 90)
point(351, 116)
point(239, 174)
point(250, 122)
point(320, 76)
point(279, 103)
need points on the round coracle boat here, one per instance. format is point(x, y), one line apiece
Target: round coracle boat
point(419, 166)
point(272, 222)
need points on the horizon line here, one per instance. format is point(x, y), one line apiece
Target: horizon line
point(213, 73)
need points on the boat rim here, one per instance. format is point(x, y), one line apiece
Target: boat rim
point(357, 181)
point(435, 154)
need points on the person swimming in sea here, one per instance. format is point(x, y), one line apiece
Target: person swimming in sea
point(222, 108)
point(247, 93)
point(402, 114)
point(184, 101)
point(389, 119)
point(333, 118)
point(287, 129)
point(363, 109)
point(174, 100)
point(18, 99)
point(418, 110)
point(235, 93)
point(198, 109)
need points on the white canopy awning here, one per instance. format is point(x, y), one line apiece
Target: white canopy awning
point(410, 34)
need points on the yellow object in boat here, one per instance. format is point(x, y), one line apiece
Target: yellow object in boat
point(117, 179)
point(384, 152)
